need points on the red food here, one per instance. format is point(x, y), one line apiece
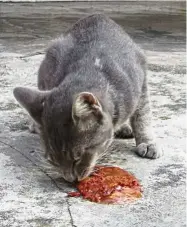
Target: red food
point(74, 194)
point(110, 185)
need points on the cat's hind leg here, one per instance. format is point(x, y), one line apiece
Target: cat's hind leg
point(142, 128)
point(124, 132)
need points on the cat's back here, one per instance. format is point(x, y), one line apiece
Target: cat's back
point(94, 36)
point(96, 26)
point(90, 40)
point(99, 36)
point(100, 32)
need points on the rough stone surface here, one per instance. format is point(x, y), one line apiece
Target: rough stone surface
point(31, 191)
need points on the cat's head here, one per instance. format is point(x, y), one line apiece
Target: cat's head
point(75, 134)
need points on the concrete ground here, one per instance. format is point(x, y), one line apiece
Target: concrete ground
point(31, 192)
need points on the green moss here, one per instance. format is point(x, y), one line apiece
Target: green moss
point(164, 118)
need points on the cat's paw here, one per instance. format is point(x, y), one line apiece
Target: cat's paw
point(149, 150)
point(34, 128)
point(125, 132)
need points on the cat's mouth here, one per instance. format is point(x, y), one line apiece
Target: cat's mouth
point(85, 173)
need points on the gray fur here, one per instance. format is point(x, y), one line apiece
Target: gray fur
point(99, 63)
point(124, 132)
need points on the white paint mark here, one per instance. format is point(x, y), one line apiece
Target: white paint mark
point(97, 63)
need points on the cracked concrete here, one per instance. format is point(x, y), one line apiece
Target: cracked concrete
point(32, 193)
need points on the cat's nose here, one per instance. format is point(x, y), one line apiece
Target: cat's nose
point(80, 178)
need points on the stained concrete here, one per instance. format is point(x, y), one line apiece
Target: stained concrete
point(32, 193)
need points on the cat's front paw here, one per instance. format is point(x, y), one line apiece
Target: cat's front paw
point(149, 150)
point(34, 128)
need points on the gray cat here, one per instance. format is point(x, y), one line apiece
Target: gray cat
point(91, 81)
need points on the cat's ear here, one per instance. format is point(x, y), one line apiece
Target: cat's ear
point(32, 100)
point(86, 107)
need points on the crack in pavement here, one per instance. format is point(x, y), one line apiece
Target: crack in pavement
point(52, 180)
point(22, 28)
point(70, 214)
point(32, 54)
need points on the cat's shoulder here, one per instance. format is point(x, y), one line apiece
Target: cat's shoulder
point(92, 20)
point(59, 46)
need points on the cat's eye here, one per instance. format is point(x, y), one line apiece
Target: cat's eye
point(88, 148)
point(91, 147)
point(95, 146)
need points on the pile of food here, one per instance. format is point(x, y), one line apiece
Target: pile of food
point(109, 185)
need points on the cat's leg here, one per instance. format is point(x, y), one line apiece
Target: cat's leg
point(34, 127)
point(124, 132)
point(142, 128)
